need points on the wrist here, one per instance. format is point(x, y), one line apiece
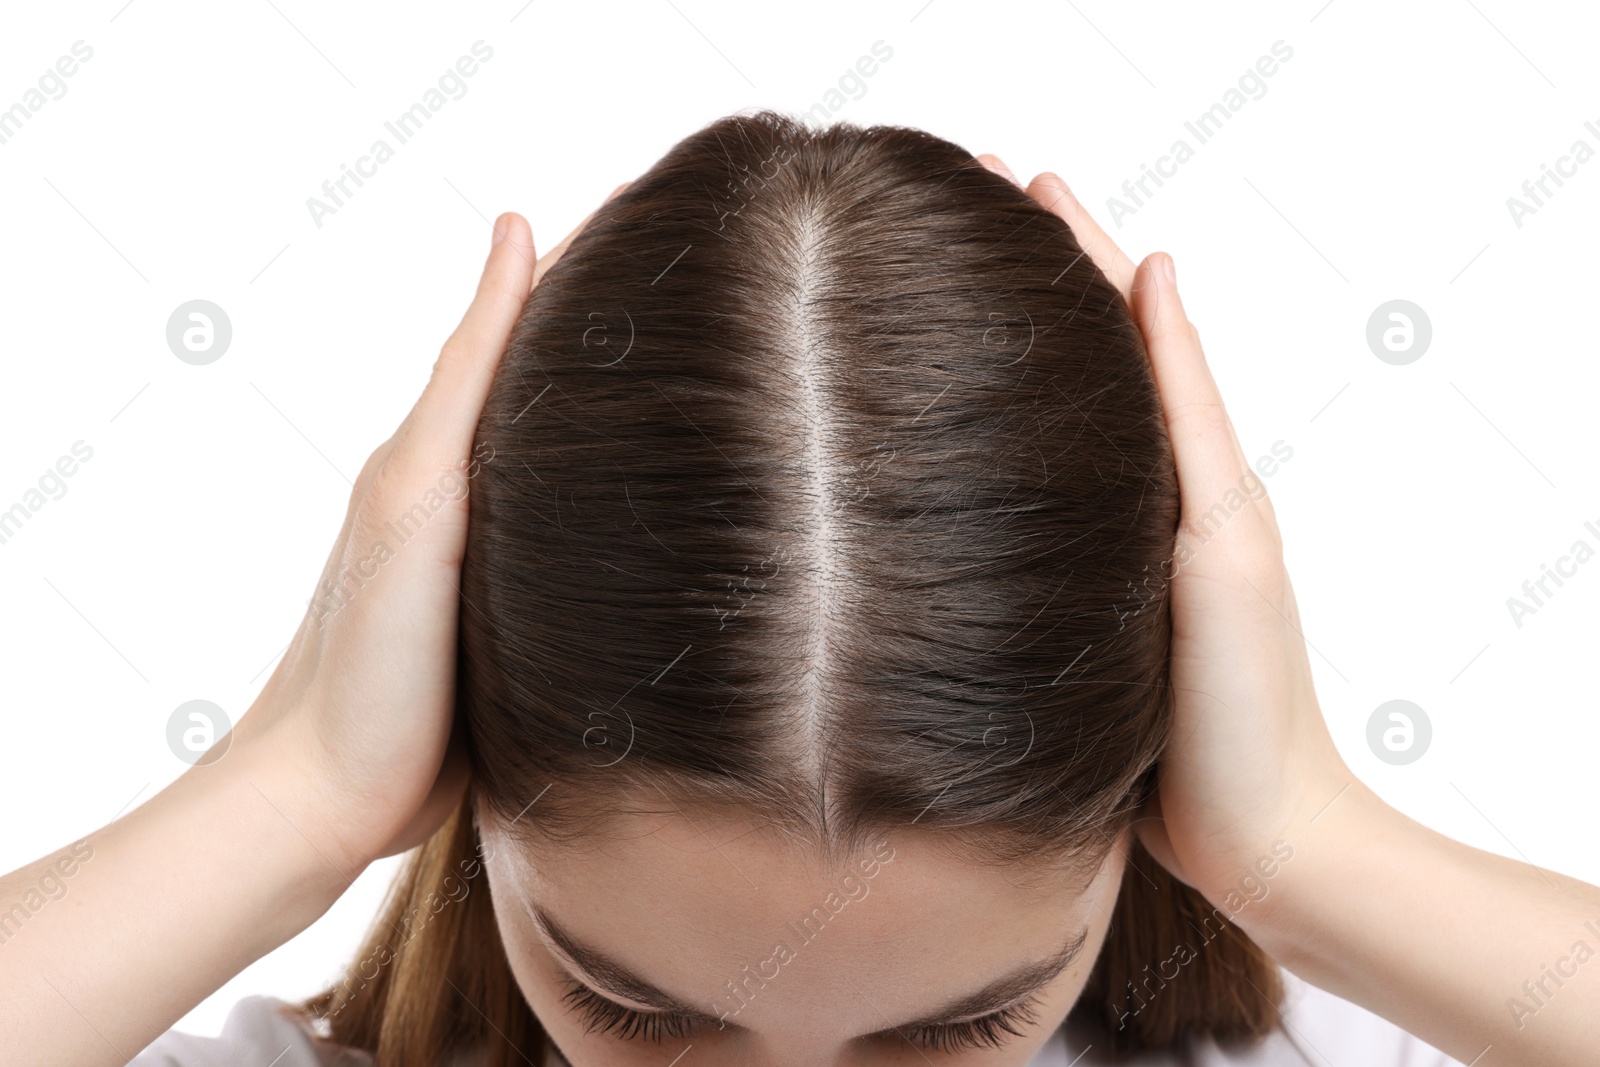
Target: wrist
point(254, 807)
point(1332, 839)
point(294, 775)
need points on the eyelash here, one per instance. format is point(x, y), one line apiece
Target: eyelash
point(602, 1015)
point(986, 1031)
point(605, 1016)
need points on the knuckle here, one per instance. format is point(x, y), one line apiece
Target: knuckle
point(453, 352)
point(388, 484)
point(369, 469)
point(1260, 559)
point(372, 471)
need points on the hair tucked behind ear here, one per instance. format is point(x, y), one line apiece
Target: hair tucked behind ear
point(829, 483)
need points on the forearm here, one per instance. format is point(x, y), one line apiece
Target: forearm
point(161, 908)
point(1466, 949)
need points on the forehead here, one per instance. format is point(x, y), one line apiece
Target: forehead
point(727, 856)
point(692, 903)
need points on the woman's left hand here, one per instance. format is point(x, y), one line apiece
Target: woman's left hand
point(1252, 787)
point(1251, 759)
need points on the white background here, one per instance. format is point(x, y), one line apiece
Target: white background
point(1376, 166)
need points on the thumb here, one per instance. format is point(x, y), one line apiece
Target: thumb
point(448, 789)
point(1151, 827)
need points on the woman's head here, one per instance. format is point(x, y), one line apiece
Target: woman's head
point(814, 618)
point(829, 485)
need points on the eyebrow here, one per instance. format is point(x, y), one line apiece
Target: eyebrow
point(609, 976)
point(1003, 991)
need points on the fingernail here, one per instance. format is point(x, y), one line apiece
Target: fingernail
point(501, 224)
point(1170, 269)
point(1051, 175)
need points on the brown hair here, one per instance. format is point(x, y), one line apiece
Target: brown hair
point(829, 483)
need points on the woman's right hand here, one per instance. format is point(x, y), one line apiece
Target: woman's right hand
point(344, 756)
point(357, 716)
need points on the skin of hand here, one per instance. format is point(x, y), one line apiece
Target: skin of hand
point(344, 757)
point(363, 699)
point(1251, 764)
point(1251, 755)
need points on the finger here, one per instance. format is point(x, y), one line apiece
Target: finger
point(1209, 459)
point(1050, 191)
point(994, 163)
point(448, 792)
point(1151, 829)
point(440, 428)
point(555, 253)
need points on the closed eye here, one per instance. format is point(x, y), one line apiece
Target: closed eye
point(986, 1031)
point(602, 1015)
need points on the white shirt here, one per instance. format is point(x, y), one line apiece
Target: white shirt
point(1320, 1030)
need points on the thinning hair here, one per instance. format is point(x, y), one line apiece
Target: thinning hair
point(830, 485)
